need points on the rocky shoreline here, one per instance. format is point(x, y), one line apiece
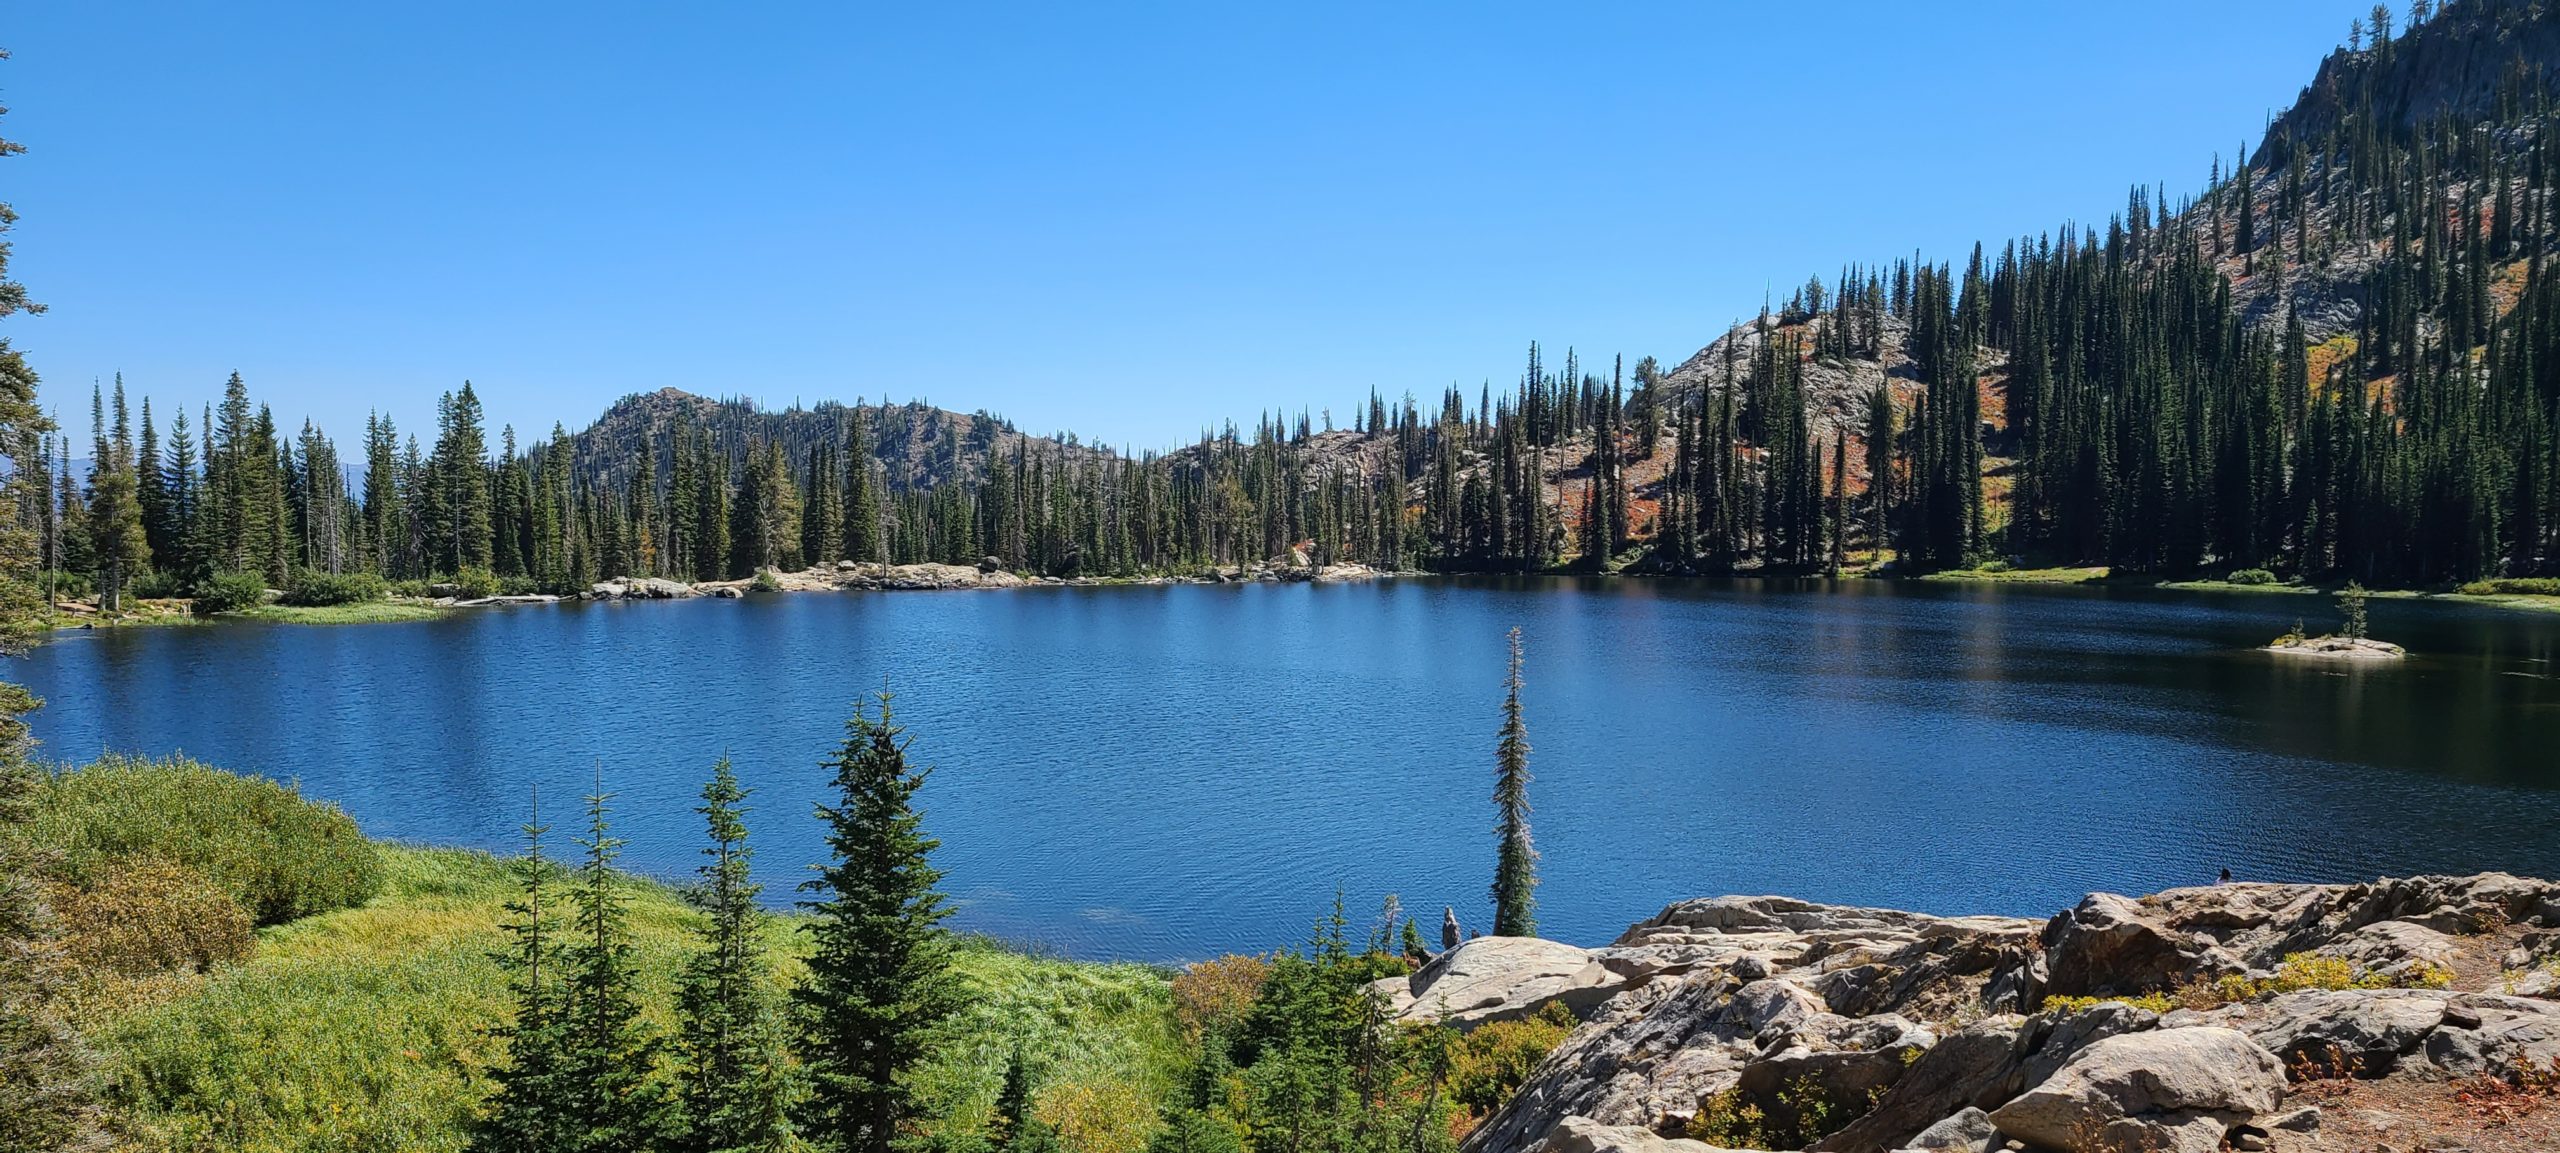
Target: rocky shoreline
point(989, 574)
point(2235, 1016)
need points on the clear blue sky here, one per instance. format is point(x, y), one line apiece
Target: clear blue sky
point(1131, 221)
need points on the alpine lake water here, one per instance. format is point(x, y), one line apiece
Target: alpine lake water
point(1170, 772)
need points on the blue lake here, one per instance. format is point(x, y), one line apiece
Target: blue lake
point(1172, 772)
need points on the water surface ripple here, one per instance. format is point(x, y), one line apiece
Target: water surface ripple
point(1167, 773)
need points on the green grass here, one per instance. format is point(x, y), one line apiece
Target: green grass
point(365, 1028)
point(2041, 576)
point(2224, 586)
point(2491, 594)
point(63, 620)
point(362, 613)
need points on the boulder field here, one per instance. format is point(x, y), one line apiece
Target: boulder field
point(2248, 1017)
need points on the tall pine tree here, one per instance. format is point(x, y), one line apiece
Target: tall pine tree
point(1515, 867)
point(880, 979)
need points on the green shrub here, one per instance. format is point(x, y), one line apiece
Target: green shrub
point(1486, 1066)
point(473, 584)
point(2251, 576)
point(1216, 994)
point(157, 584)
point(1798, 1115)
point(766, 582)
point(279, 856)
point(1994, 566)
point(66, 584)
point(229, 592)
point(2514, 586)
point(412, 587)
point(144, 916)
point(314, 589)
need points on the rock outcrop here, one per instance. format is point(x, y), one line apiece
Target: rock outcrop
point(1946, 1033)
point(2338, 648)
point(1498, 979)
point(639, 588)
point(2171, 1090)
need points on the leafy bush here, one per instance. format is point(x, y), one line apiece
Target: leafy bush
point(412, 587)
point(473, 584)
point(1489, 1064)
point(1798, 1115)
point(276, 854)
point(143, 916)
point(766, 582)
point(314, 589)
point(1993, 566)
point(66, 583)
point(1097, 1114)
point(1216, 994)
point(157, 584)
point(2514, 586)
point(229, 592)
point(2251, 576)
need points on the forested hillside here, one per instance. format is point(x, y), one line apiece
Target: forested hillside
point(2336, 360)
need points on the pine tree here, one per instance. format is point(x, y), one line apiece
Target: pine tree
point(863, 539)
point(1515, 870)
point(45, 1106)
point(1014, 1129)
point(2351, 611)
point(736, 1084)
point(880, 979)
point(462, 496)
point(182, 555)
point(117, 545)
point(384, 525)
point(608, 1053)
point(529, 1112)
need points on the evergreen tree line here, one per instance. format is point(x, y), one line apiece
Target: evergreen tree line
point(2342, 359)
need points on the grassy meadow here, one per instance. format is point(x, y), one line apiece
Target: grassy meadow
point(346, 1005)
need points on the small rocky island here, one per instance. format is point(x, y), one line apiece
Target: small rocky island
point(2338, 648)
point(2400, 1014)
point(2349, 643)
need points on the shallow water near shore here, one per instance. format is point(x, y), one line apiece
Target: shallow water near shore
point(1169, 772)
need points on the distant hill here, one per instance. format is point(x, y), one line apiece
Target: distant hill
point(917, 445)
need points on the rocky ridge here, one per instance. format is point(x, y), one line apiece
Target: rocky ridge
point(2233, 1016)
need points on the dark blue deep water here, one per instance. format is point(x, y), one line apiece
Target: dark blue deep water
point(1165, 773)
